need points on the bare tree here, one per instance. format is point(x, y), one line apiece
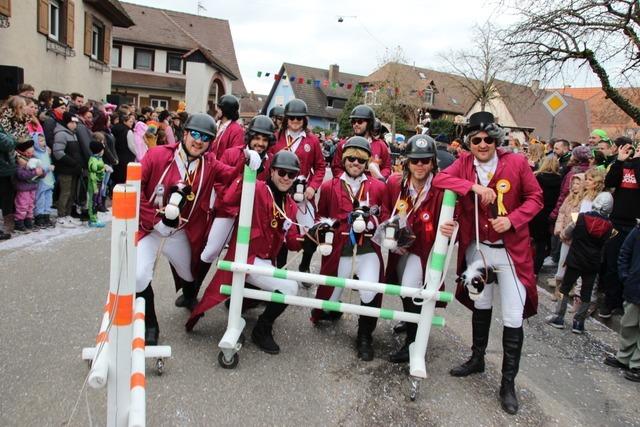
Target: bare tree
point(479, 66)
point(555, 35)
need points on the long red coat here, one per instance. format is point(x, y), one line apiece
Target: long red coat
point(423, 220)
point(265, 241)
point(379, 154)
point(309, 152)
point(522, 202)
point(154, 164)
point(335, 203)
point(232, 136)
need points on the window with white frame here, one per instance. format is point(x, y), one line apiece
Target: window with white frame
point(116, 53)
point(54, 19)
point(162, 103)
point(174, 63)
point(371, 97)
point(429, 95)
point(97, 41)
point(143, 59)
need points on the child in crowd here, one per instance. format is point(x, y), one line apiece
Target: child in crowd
point(593, 185)
point(589, 234)
point(628, 356)
point(570, 206)
point(94, 186)
point(44, 192)
point(27, 173)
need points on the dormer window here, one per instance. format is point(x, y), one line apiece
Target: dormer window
point(429, 95)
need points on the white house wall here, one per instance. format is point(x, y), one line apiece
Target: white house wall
point(23, 46)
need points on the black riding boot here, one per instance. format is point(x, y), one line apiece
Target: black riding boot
point(480, 323)
point(151, 329)
point(366, 326)
point(402, 355)
point(512, 349)
point(262, 334)
point(203, 269)
point(190, 295)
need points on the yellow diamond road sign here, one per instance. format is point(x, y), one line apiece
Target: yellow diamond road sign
point(554, 103)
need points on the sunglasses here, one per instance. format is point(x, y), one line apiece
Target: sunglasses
point(420, 161)
point(358, 121)
point(294, 118)
point(290, 174)
point(356, 159)
point(487, 139)
point(201, 136)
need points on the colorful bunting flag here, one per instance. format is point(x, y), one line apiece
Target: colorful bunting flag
point(276, 77)
point(349, 85)
point(292, 79)
point(259, 73)
point(325, 83)
point(309, 81)
point(316, 83)
point(301, 80)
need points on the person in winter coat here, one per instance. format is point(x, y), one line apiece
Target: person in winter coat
point(501, 188)
point(549, 178)
point(589, 234)
point(44, 193)
point(95, 169)
point(125, 147)
point(55, 116)
point(580, 157)
point(628, 355)
point(68, 158)
point(360, 203)
point(13, 128)
point(27, 174)
point(164, 118)
point(230, 132)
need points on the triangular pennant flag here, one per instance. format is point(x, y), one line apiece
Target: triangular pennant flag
point(301, 80)
point(284, 77)
point(349, 85)
point(309, 81)
point(325, 83)
point(267, 74)
point(334, 85)
point(259, 73)
point(292, 78)
point(316, 83)
point(420, 93)
point(341, 84)
point(276, 77)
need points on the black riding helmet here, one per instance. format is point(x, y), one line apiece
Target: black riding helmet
point(420, 147)
point(286, 160)
point(262, 125)
point(295, 108)
point(202, 123)
point(358, 142)
point(229, 105)
point(276, 111)
point(363, 112)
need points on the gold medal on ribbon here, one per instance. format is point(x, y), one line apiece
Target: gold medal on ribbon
point(401, 207)
point(274, 223)
point(191, 197)
point(502, 187)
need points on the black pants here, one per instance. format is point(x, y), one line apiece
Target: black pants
point(542, 245)
point(7, 195)
point(588, 280)
point(610, 283)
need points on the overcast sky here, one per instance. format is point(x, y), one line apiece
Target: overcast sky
point(268, 33)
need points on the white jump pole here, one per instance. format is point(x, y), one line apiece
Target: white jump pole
point(134, 178)
point(435, 270)
point(236, 323)
point(137, 413)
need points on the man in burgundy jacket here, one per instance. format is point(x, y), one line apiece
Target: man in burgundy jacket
point(230, 132)
point(501, 186)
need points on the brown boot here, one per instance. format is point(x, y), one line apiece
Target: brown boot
point(9, 224)
point(556, 292)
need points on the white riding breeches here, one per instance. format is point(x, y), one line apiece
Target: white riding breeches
point(219, 235)
point(306, 214)
point(410, 271)
point(175, 247)
point(512, 291)
point(271, 284)
point(367, 268)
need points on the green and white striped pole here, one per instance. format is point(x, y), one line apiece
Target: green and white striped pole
point(435, 270)
point(360, 310)
point(337, 282)
point(236, 323)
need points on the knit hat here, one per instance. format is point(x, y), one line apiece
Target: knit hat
point(602, 134)
point(621, 141)
point(603, 203)
point(68, 117)
point(96, 147)
point(582, 154)
point(58, 102)
point(24, 145)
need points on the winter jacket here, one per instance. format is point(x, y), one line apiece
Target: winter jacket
point(124, 154)
point(629, 266)
point(84, 136)
point(589, 235)
point(67, 153)
point(625, 178)
point(49, 126)
point(550, 184)
point(566, 187)
point(25, 179)
point(7, 153)
point(42, 154)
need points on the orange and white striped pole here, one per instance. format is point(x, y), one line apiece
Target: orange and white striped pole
point(134, 178)
point(137, 410)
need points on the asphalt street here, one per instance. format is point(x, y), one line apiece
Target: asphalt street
point(53, 295)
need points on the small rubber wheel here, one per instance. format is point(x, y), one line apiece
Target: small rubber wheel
point(228, 364)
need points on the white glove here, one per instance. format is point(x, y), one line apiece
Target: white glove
point(108, 169)
point(163, 229)
point(375, 170)
point(254, 160)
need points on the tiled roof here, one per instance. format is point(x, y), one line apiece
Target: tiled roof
point(182, 31)
point(580, 92)
point(251, 104)
point(451, 96)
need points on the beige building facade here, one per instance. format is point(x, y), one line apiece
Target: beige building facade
point(62, 45)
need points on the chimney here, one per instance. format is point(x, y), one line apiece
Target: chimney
point(535, 85)
point(334, 73)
